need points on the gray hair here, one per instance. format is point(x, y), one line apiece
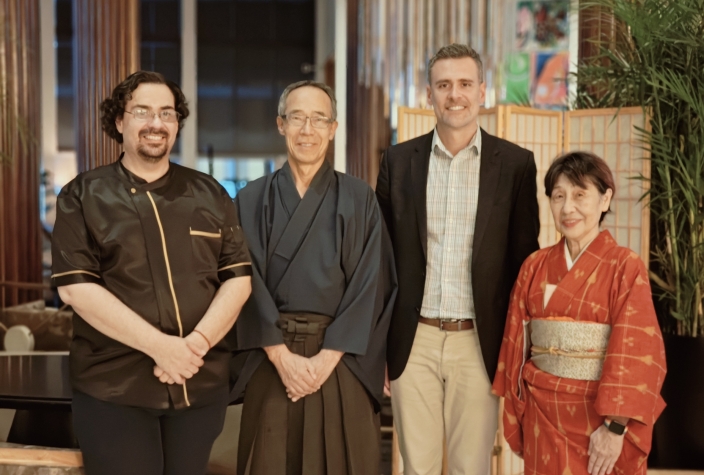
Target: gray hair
point(455, 51)
point(296, 85)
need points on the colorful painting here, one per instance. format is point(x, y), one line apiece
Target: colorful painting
point(550, 80)
point(517, 78)
point(542, 25)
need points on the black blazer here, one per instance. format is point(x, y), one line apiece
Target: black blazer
point(505, 233)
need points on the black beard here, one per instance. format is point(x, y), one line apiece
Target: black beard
point(151, 154)
point(153, 157)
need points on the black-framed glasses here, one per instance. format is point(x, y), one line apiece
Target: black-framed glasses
point(167, 115)
point(299, 120)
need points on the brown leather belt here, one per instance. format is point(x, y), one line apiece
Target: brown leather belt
point(448, 325)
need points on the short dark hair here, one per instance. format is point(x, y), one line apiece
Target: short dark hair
point(114, 106)
point(455, 51)
point(578, 167)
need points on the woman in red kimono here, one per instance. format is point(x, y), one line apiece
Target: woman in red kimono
point(582, 360)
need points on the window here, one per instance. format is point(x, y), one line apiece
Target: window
point(248, 52)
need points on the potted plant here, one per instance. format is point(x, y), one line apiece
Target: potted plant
point(654, 58)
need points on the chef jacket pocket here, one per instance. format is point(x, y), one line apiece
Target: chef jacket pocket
point(206, 246)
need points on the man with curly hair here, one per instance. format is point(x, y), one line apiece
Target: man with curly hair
point(152, 259)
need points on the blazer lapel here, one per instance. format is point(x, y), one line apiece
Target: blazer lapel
point(420, 161)
point(489, 173)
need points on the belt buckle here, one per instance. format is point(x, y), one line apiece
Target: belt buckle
point(443, 321)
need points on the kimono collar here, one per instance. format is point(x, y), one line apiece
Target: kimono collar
point(557, 259)
point(287, 186)
point(568, 257)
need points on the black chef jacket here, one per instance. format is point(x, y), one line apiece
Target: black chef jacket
point(163, 249)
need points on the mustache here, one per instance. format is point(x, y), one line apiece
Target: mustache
point(154, 131)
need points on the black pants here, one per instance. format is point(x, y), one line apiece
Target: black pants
point(125, 440)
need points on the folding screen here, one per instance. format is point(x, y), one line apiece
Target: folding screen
point(413, 123)
point(616, 141)
point(492, 121)
point(541, 132)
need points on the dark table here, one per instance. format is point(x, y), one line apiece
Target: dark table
point(36, 384)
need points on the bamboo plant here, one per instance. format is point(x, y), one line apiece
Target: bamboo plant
point(654, 58)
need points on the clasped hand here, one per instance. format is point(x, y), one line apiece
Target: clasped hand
point(604, 450)
point(178, 359)
point(300, 375)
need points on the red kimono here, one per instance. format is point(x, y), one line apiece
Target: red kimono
point(548, 419)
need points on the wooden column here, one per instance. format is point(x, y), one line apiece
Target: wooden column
point(106, 52)
point(597, 29)
point(368, 127)
point(20, 243)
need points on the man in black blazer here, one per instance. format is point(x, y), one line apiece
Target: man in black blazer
point(461, 206)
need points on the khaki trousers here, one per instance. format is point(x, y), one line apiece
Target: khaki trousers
point(444, 393)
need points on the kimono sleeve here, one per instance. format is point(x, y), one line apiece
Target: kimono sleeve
point(234, 258)
point(75, 255)
point(256, 324)
point(350, 330)
point(634, 366)
point(508, 382)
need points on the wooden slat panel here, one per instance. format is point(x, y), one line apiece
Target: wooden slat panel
point(413, 123)
point(491, 120)
point(20, 231)
point(107, 51)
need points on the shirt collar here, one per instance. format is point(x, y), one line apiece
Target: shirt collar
point(475, 142)
point(140, 182)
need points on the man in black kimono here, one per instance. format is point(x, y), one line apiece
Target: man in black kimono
point(323, 288)
point(151, 257)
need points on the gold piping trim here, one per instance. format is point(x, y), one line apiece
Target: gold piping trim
point(74, 272)
point(206, 234)
point(171, 282)
point(235, 265)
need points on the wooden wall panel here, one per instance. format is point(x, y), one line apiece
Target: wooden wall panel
point(106, 52)
point(20, 129)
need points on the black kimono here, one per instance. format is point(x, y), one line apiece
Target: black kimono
point(325, 257)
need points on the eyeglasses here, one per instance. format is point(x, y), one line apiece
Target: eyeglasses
point(167, 115)
point(299, 120)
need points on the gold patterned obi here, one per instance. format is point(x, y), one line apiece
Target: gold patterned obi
point(569, 348)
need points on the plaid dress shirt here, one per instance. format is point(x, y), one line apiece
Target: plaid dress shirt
point(452, 192)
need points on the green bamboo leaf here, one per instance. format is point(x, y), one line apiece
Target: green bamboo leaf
point(677, 315)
